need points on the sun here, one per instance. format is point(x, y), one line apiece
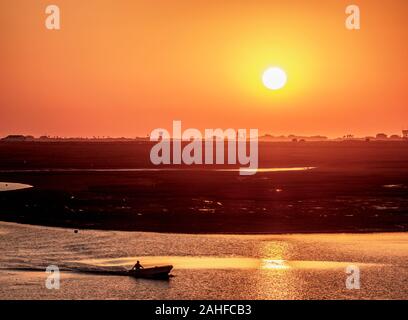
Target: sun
point(274, 78)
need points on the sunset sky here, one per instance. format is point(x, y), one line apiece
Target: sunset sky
point(125, 67)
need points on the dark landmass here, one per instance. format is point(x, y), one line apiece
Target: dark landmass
point(356, 187)
point(262, 138)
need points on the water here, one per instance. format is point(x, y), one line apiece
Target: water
point(206, 266)
point(88, 170)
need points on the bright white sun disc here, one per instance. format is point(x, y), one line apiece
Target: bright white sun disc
point(274, 78)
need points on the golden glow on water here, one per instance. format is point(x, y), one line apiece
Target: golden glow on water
point(180, 262)
point(219, 263)
point(274, 264)
point(273, 256)
point(266, 170)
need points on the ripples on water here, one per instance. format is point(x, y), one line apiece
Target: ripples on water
point(206, 266)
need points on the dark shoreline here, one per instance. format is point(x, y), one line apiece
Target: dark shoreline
point(210, 233)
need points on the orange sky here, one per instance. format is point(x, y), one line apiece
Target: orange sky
point(125, 67)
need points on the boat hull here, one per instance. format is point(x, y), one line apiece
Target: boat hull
point(151, 273)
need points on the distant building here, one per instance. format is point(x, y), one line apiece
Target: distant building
point(405, 134)
point(381, 136)
point(14, 137)
point(395, 137)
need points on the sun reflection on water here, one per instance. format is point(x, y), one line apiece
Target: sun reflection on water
point(274, 264)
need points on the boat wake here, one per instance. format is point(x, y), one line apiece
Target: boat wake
point(114, 271)
point(161, 272)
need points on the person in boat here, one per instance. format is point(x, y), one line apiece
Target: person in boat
point(137, 266)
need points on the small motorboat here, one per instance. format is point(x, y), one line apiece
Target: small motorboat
point(151, 273)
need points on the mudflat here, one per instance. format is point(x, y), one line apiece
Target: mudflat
point(355, 186)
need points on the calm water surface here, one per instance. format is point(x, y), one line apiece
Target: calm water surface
point(206, 266)
point(72, 170)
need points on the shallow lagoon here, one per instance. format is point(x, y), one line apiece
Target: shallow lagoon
point(206, 266)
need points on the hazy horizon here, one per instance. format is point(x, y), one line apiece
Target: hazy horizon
point(261, 135)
